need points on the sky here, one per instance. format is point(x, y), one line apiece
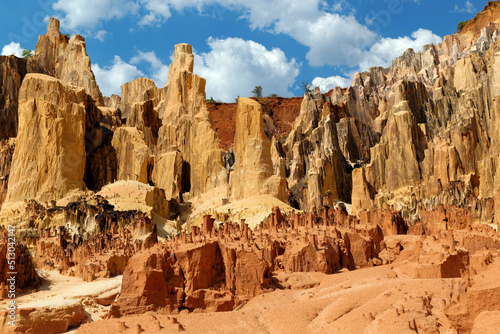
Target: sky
point(238, 44)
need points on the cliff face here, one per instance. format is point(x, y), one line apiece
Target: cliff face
point(439, 137)
point(422, 133)
point(12, 72)
point(253, 169)
point(54, 115)
point(187, 128)
point(146, 186)
point(65, 58)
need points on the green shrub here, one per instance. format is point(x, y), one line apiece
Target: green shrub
point(27, 53)
point(257, 92)
point(461, 25)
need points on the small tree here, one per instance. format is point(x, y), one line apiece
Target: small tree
point(27, 53)
point(461, 25)
point(306, 85)
point(257, 92)
point(273, 95)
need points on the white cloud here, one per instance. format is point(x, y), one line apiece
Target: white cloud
point(326, 84)
point(333, 38)
point(12, 48)
point(232, 67)
point(235, 66)
point(467, 8)
point(101, 35)
point(387, 49)
point(158, 70)
point(88, 14)
point(110, 78)
point(158, 11)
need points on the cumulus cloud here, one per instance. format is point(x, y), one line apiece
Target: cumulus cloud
point(12, 48)
point(232, 67)
point(110, 78)
point(468, 7)
point(88, 14)
point(158, 71)
point(101, 35)
point(333, 37)
point(235, 66)
point(386, 49)
point(158, 11)
point(326, 84)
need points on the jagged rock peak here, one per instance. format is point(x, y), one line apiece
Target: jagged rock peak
point(53, 27)
point(183, 59)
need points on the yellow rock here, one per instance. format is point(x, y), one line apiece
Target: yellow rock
point(253, 169)
point(49, 158)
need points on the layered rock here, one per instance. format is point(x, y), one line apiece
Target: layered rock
point(186, 127)
point(12, 72)
point(65, 58)
point(318, 173)
point(6, 153)
point(132, 154)
point(54, 114)
point(253, 168)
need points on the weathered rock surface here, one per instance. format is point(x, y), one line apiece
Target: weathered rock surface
point(15, 257)
point(45, 318)
point(217, 269)
point(132, 154)
point(186, 127)
point(12, 72)
point(54, 114)
point(6, 153)
point(253, 168)
point(412, 148)
point(65, 58)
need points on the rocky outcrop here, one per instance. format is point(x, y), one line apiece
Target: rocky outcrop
point(318, 173)
point(55, 114)
point(186, 126)
point(218, 268)
point(6, 153)
point(88, 238)
point(253, 167)
point(132, 154)
point(169, 172)
point(15, 258)
point(65, 58)
point(45, 318)
point(136, 93)
point(12, 72)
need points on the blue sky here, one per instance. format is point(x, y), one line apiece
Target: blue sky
point(238, 44)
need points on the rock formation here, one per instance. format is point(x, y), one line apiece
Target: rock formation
point(390, 187)
point(132, 154)
point(186, 128)
point(54, 114)
point(253, 168)
point(218, 268)
point(12, 72)
point(65, 58)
